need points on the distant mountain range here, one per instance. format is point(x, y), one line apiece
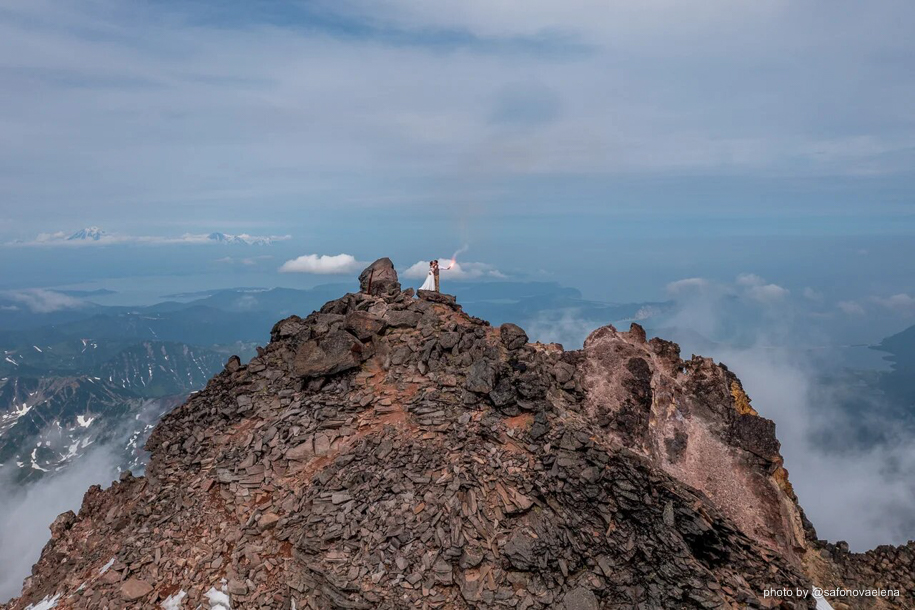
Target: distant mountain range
point(48, 423)
point(62, 400)
point(96, 235)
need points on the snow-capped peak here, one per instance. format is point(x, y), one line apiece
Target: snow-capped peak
point(242, 238)
point(89, 234)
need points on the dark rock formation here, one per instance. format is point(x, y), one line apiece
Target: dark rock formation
point(382, 277)
point(391, 452)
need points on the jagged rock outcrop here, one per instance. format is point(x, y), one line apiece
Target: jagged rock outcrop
point(379, 278)
point(693, 420)
point(392, 452)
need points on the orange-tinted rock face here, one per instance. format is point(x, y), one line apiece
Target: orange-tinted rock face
point(693, 420)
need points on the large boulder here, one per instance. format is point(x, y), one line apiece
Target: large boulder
point(364, 325)
point(513, 336)
point(335, 352)
point(379, 278)
point(134, 588)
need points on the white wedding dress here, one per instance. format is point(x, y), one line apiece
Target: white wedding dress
point(429, 284)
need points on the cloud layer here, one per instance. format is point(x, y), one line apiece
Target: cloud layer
point(199, 108)
point(25, 515)
point(39, 300)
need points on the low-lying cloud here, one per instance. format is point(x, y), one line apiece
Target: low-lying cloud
point(39, 300)
point(323, 264)
point(900, 303)
point(767, 293)
point(26, 514)
point(861, 494)
point(687, 285)
point(851, 308)
point(247, 261)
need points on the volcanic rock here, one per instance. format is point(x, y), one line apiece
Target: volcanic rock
point(512, 336)
point(392, 452)
point(382, 276)
point(135, 588)
point(335, 352)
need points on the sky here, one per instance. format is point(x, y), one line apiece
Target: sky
point(716, 152)
point(611, 146)
point(273, 116)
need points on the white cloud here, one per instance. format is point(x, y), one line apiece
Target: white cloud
point(39, 300)
point(850, 308)
point(806, 410)
point(323, 264)
point(749, 279)
point(759, 290)
point(461, 270)
point(767, 293)
point(900, 303)
point(812, 295)
point(248, 261)
point(690, 284)
point(26, 513)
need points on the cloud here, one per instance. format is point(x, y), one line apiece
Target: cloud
point(323, 264)
point(812, 295)
point(901, 303)
point(767, 293)
point(25, 514)
point(749, 279)
point(819, 448)
point(819, 419)
point(93, 236)
point(39, 300)
point(249, 261)
point(850, 308)
point(759, 290)
point(565, 326)
point(461, 270)
point(244, 108)
point(690, 284)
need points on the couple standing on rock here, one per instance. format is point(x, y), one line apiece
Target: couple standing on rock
point(380, 278)
point(432, 282)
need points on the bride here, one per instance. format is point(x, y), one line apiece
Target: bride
point(429, 284)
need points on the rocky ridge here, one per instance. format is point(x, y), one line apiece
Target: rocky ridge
point(390, 451)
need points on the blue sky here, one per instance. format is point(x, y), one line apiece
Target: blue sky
point(595, 142)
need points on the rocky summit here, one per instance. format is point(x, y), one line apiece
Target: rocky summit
point(391, 451)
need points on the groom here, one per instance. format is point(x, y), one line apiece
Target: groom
point(435, 274)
